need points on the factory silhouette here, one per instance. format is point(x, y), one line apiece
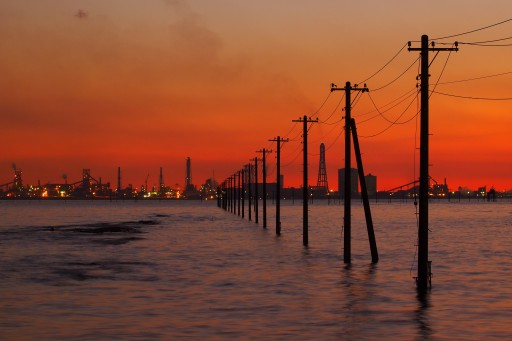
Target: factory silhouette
point(90, 187)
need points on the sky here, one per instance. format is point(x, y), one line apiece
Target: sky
point(145, 84)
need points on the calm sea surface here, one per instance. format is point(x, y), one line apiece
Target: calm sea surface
point(138, 270)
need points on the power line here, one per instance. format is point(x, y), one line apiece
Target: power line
point(476, 78)
point(442, 70)
point(487, 45)
point(471, 97)
point(321, 106)
point(397, 78)
point(334, 111)
point(402, 97)
point(385, 65)
point(479, 42)
point(333, 123)
point(290, 131)
point(380, 112)
point(335, 140)
point(355, 100)
point(396, 121)
point(327, 134)
point(295, 138)
point(473, 31)
point(490, 41)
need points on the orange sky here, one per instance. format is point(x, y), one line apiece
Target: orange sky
point(145, 84)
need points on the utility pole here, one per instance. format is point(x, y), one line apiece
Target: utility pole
point(234, 193)
point(364, 194)
point(118, 181)
point(264, 171)
point(224, 196)
point(256, 199)
point(249, 208)
point(305, 120)
point(348, 190)
point(424, 272)
point(230, 195)
point(243, 193)
point(238, 191)
point(278, 183)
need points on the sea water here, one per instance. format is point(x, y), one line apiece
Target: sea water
point(138, 270)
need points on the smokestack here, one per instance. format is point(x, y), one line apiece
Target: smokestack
point(188, 179)
point(161, 181)
point(118, 179)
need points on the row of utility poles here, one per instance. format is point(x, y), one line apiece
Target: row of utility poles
point(229, 192)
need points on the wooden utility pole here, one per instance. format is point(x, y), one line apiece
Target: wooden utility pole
point(243, 192)
point(256, 194)
point(238, 189)
point(347, 229)
point(233, 194)
point(424, 272)
point(264, 171)
point(278, 183)
point(305, 120)
point(364, 194)
point(228, 194)
point(249, 208)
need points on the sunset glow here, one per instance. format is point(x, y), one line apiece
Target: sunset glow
point(146, 84)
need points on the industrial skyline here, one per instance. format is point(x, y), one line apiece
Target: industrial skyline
point(89, 186)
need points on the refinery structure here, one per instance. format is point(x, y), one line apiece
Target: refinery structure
point(91, 187)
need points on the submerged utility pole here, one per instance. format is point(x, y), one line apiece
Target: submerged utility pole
point(305, 120)
point(278, 183)
point(264, 171)
point(249, 208)
point(230, 194)
point(424, 272)
point(235, 192)
point(347, 229)
point(256, 194)
point(238, 189)
point(364, 194)
point(243, 193)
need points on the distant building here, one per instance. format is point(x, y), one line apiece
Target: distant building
point(371, 184)
point(441, 190)
point(353, 182)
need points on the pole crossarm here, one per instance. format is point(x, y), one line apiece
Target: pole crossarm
point(277, 139)
point(433, 48)
point(308, 120)
point(334, 87)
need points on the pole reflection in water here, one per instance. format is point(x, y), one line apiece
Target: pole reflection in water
point(421, 316)
point(189, 270)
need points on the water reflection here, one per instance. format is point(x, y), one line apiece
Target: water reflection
point(358, 285)
point(422, 317)
point(194, 277)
